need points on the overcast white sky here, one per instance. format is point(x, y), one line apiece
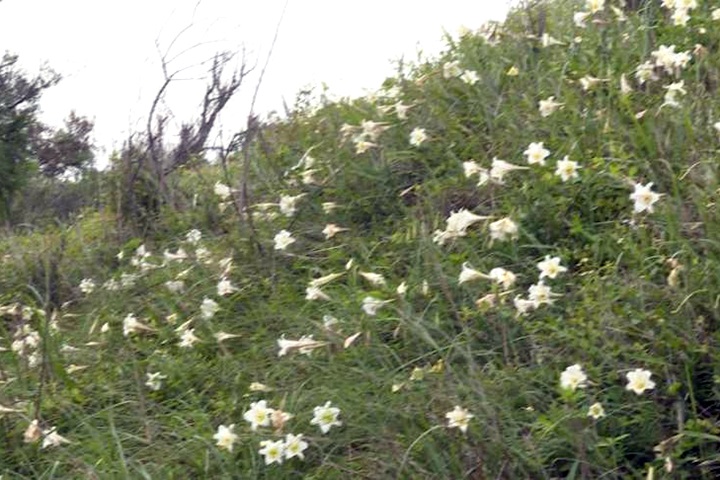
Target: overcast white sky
point(106, 50)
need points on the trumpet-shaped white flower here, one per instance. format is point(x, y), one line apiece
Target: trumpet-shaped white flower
point(470, 77)
point(154, 380)
point(458, 222)
point(222, 191)
point(548, 106)
point(314, 293)
point(522, 305)
point(536, 153)
point(371, 305)
point(331, 230)
point(566, 169)
point(209, 308)
point(579, 19)
point(639, 381)
point(193, 236)
point(540, 294)
point(305, 345)
point(52, 439)
point(550, 267)
point(133, 325)
point(503, 229)
point(259, 415)
point(469, 274)
point(188, 339)
point(324, 280)
point(288, 204)
point(500, 168)
point(374, 278)
point(326, 417)
point(595, 5)
point(273, 451)
point(87, 285)
point(588, 82)
point(283, 239)
point(295, 446)
point(175, 286)
point(573, 378)
point(459, 418)
point(644, 198)
point(451, 69)
point(225, 437)
point(225, 287)
point(506, 278)
point(596, 411)
point(674, 90)
point(418, 137)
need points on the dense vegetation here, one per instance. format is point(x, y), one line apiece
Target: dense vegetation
point(503, 265)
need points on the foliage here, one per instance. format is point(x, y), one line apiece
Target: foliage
point(152, 355)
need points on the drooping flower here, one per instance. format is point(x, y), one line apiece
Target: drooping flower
point(283, 239)
point(458, 222)
point(295, 446)
point(644, 198)
point(225, 437)
point(469, 274)
point(326, 417)
point(550, 267)
point(193, 236)
point(595, 5)
point(579, 19)
point(573, 377)
point(470, 77)
point(639, 381)
point(536, 153)
point(566, 169)
point(259, 415)
point(451, 69)
point(314, 293)
point(188, 339)
point(52, 439)
point(673, 91)
point(459, 418)
point(273, 451)
point(324, 280)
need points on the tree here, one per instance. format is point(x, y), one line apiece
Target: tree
point(66, 150)
point(19, 96)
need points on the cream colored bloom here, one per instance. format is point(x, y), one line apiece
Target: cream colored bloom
point(451, 69)
point(288, 204)
point(506, 278)
point(133, 325)
point(371, 305)
point(500, 168)
point(470, 77)
point(324, 280)
point(639, 381)
point(283, 239)
point(295, 446)
point(566, 169)
point(331, 230)
point(208, 308)
point(513, 71)
point(596, 411)
point(418, 137)
point(222, 191)
point(225, 287)
point(548, 106)
point(469, 274)
point(550, 267)
point(52, 439)
point(305, 345)
point(188, 339)
point(154, 380)
point(87, 285)
point(326, 417)
point(259, 415)
point(225, 437)
point(536, 153)
point(579, 19)
point(595, 5)
point(458, 222)
point(314, 293)
point(459, 418)
point(503, 229)
point(375, 279)
point(644, 198)
point(273, 451)
point(573, 378)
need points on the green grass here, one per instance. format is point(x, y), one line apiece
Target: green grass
point(432, 348)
